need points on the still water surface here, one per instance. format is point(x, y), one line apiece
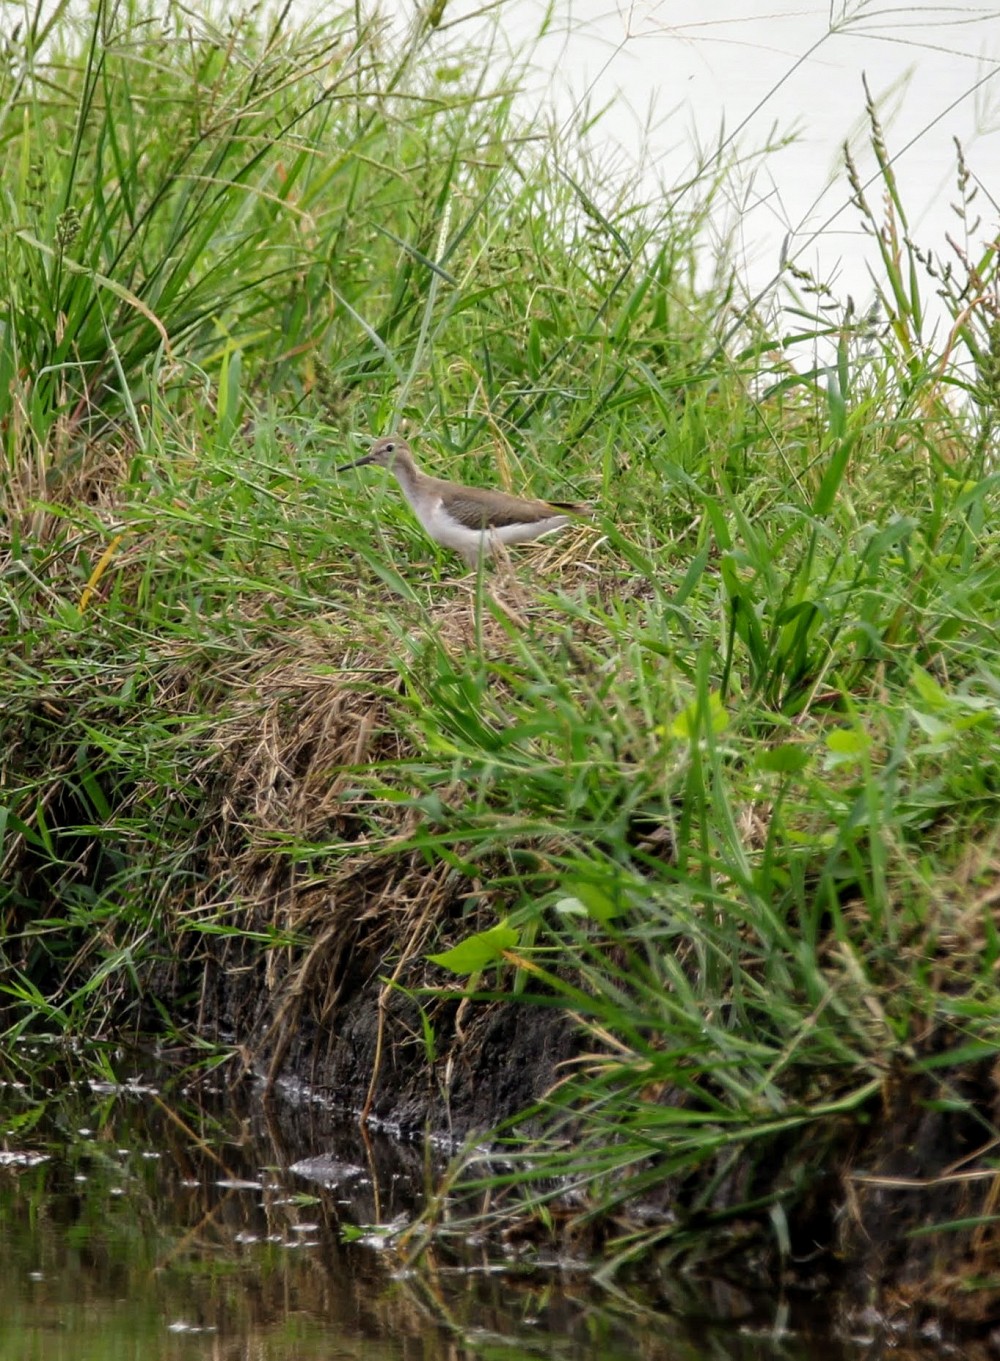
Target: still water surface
point(164, 1219)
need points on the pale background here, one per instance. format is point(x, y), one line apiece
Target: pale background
point(675, 72)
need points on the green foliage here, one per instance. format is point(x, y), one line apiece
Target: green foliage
point(724, 763)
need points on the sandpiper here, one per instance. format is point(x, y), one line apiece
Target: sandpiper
point(470, 520)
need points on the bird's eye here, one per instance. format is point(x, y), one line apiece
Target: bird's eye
point(389, 448)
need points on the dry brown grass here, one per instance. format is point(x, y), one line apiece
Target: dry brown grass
point(296, 846)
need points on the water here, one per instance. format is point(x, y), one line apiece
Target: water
point(165, 1219)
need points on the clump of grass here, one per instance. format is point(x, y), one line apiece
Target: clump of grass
point(723, 766)
point(168, 524)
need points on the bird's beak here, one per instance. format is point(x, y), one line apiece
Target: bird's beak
point(358, 463)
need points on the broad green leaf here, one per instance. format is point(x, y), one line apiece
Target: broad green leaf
point(788, 759)
point(476, 952)
point(590, 899)
point(848, 742)
point(928, 689)
point(688, 722)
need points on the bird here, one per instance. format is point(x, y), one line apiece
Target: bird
point(469, 520)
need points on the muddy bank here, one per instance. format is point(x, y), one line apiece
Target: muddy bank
point(889, 1206)
point(361, 1044)
point(862, 1198)
point(301, 932)
point(350, 1005)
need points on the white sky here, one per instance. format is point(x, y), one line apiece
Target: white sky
point(675, 77)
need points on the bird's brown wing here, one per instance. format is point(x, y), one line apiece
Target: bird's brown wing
point(494, 510)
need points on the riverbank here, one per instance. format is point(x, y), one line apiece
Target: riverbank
point(670, 846)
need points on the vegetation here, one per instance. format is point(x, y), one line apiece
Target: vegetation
point(722, 764)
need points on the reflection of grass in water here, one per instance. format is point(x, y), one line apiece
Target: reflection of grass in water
point(122, 1222)
point(154, 1216)
point(168, 1197)
point(726, 762)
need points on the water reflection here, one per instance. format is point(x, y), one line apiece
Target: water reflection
point(166, 1219)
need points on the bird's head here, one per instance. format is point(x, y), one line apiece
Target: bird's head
point(384, 452)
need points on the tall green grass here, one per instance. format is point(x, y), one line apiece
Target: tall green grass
point(727, 766)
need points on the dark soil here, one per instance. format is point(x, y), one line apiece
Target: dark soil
point(491, 1060)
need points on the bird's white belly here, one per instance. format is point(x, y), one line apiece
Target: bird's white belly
point(451, 533)
point(445, 530)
